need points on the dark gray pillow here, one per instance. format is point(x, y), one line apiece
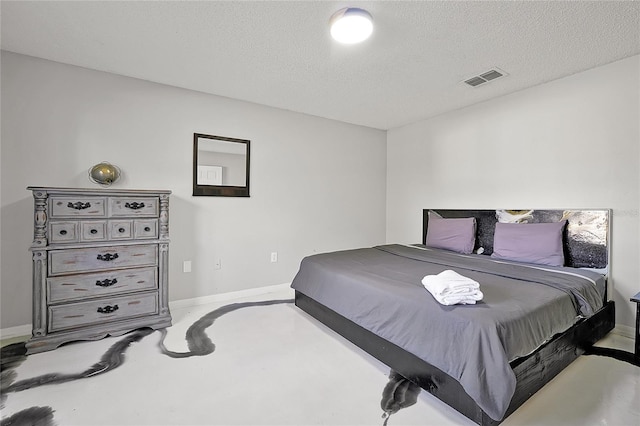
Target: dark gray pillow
point(451, 234)
point(539, 243)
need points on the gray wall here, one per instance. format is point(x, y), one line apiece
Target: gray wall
point(570, 143)
point(316, 184)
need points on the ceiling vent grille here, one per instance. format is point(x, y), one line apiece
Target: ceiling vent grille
point(485, 77)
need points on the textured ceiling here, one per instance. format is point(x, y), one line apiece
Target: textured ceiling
point(280, 53)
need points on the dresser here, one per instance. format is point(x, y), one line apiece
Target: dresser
point(100, 264)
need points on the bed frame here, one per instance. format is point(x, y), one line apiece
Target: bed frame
point(533, 371)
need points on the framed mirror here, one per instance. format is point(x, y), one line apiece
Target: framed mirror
point(220, 166)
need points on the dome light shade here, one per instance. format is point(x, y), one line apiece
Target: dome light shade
point(351, 25)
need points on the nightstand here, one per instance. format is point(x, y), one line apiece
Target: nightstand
point(636, 299)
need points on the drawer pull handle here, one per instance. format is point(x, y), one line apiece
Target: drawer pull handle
point(134, 206)
point(107, 282)
point(121, 230)
point(108, 309)
point(107, 257)
point(63, 232)
point(94, 231)
point(79, 205)
point(147, 229)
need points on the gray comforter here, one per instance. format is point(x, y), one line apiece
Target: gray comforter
point(380, 289)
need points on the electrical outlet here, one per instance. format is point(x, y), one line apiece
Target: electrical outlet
point(274, 256)
point(217, 264)
point(186, 266)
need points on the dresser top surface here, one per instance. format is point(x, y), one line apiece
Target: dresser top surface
point(97, 191)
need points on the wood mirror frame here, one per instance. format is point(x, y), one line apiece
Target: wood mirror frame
point(229, 175)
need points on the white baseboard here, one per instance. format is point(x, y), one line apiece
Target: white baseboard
point(203, 300)
point(624, 330)
point(25, 330)
point(18, 331)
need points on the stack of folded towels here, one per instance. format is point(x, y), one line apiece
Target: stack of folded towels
point(451, 288)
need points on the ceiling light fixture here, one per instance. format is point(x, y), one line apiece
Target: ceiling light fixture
point(351, 25)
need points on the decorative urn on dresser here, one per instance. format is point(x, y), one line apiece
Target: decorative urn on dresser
point(100, 264)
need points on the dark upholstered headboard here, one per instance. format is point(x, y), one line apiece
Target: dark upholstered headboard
point(586, 241)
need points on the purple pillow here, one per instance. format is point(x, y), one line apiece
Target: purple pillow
point(530, 242)
point(452, 234)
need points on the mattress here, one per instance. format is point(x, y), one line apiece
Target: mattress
point(380, 289)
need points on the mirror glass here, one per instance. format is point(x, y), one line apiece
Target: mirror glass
point(220, 166)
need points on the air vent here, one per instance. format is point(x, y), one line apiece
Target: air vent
point(475, 81)
point(485, 77)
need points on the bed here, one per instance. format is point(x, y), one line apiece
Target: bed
point(537, 314)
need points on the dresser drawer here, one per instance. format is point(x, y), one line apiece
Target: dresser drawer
point(120, 229)
point(101, 258)
point(132, 207)
point(74, 315)
point(93, 230)
point(145, 229)
point(63, 232)
point(74, 287)
point(78, 207)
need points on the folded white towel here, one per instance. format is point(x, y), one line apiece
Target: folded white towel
point(449, 281)
point(460, 300)
point(451, 288)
